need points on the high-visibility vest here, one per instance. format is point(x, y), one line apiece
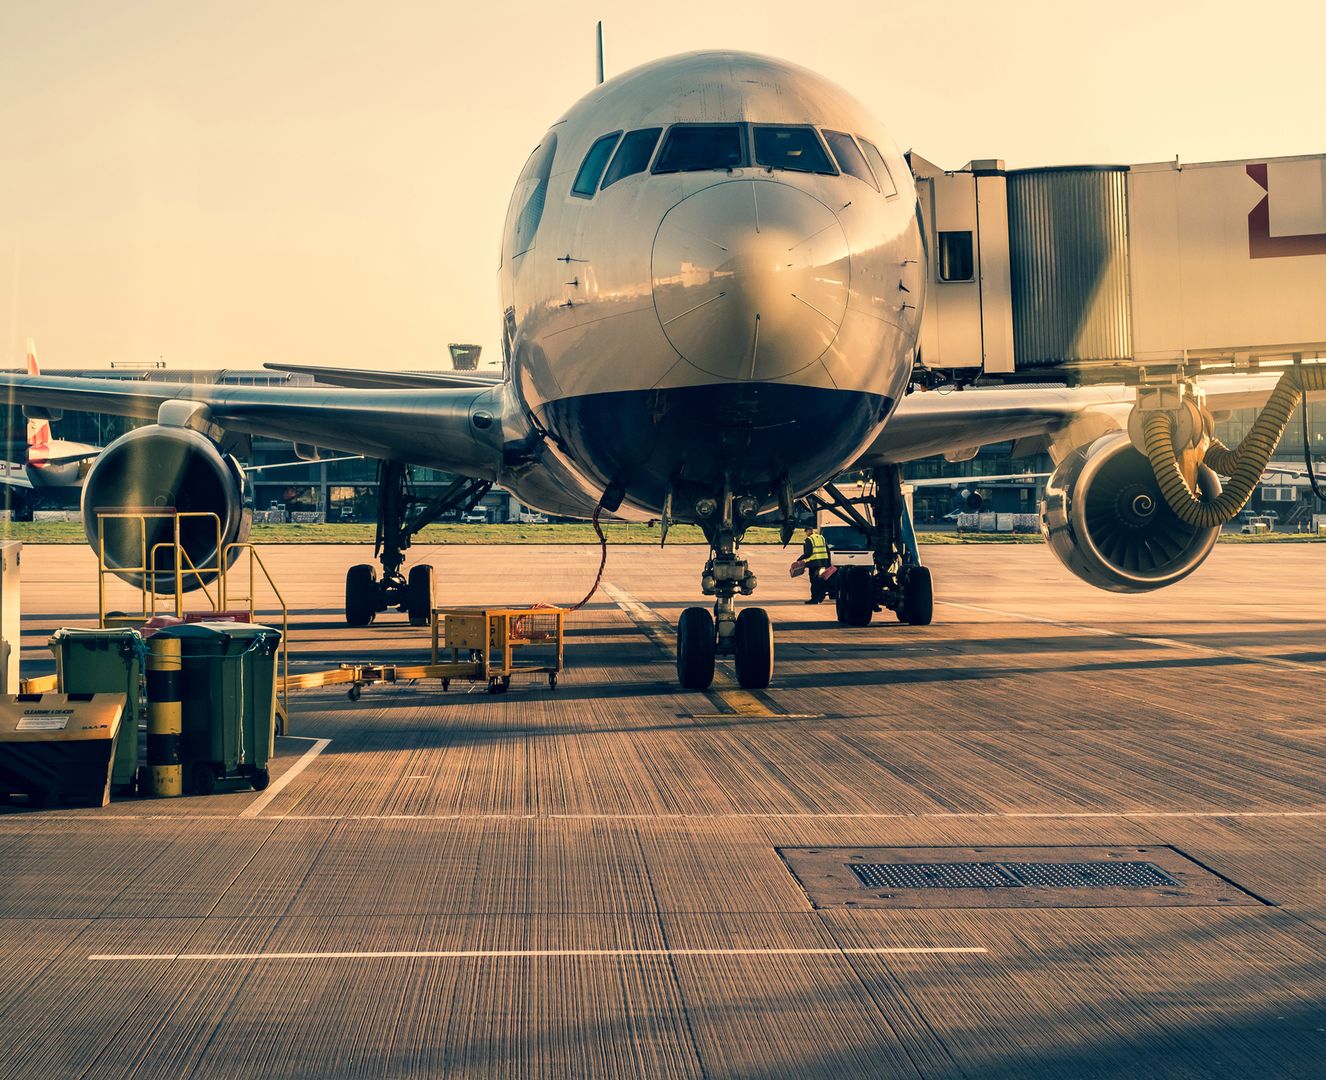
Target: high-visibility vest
point(819, 548)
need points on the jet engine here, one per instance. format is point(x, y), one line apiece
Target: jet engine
point(165, 468)
point(1105, 519)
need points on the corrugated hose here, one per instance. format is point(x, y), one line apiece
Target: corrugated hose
point(1243, 465)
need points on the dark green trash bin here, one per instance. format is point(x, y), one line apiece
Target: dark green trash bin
point(107, 662)
point(228, 695)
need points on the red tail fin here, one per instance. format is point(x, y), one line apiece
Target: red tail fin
point(39, 431)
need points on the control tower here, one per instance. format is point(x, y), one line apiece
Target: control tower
point(465, 357)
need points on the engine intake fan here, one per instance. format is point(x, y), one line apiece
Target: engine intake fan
point(1105, 518)
point(159, 468)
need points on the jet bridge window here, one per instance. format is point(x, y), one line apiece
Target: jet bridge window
point(955, 257)
point(849, 157)
point(632, 156)
point(699, 147)
point(797, 149)
point(591, 169)
point(876, 159)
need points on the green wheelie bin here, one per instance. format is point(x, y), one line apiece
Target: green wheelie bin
point(228, 702)
point(107, 662)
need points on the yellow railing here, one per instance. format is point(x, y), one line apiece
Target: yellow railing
point(147, 568)
point(250, 601)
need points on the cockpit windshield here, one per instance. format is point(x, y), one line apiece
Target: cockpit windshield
point(698, 147)
point(787, 147)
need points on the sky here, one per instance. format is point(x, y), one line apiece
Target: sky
point(220, 184)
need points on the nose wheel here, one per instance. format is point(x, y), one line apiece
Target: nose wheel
point(747, 636)
point(752, 649)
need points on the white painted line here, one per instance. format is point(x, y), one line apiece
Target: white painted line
point(260, 803)
point(1164, 643)
point(109, 820)
point(540, 954)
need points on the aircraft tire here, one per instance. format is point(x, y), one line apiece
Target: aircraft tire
point(695, 649)
point(754, 649)
point(918, 597)
point(857, 592)
point(419, 595)
point(361, 595)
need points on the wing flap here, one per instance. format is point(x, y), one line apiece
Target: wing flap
point(363, 379)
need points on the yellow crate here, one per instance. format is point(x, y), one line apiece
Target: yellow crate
point(485, 643)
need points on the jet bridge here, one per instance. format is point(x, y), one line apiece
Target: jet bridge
point(1093, 273)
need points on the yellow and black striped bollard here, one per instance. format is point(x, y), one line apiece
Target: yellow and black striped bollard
point(164, 715)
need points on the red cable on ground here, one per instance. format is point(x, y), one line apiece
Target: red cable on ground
point(603, 560)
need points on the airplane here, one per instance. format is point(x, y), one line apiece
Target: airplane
point(711, 281)
point(51, 465)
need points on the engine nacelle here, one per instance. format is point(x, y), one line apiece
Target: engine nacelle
point(1105, 519)
point(154, 468)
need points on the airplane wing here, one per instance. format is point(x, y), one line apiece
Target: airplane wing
point(937, 422)
point(451, 428)
point(12, 476)
point(69, 459)
point(390, 380)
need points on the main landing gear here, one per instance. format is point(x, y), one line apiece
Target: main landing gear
point(897, 581)
point(746, 637)
point(401, 513)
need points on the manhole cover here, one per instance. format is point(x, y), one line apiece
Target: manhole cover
point(1008, 877)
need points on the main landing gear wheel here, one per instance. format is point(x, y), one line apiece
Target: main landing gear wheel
point(695, 649)
point(856, 596)
point(419, 595)
point(361, 595)
point(754, 649)
point(918, 596)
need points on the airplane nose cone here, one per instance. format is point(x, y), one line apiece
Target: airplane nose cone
point(750, 279)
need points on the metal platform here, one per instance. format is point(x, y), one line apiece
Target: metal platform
point(590, 883)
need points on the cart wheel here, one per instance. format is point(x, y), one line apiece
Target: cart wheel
point(494, 685)
point(552, 680)
point(204, 779)
point(260, 779)
point(506, 683)
point(354, 692)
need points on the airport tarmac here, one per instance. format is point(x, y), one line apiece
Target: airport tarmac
point(599, 881)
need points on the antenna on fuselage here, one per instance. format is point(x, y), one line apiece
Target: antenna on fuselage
point(599, 35)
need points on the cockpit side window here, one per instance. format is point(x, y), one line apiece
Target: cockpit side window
point(632, 156)
point(591, 169)
point(699, 147)
point(530, 195)
point(795, 148)
point(876, 159)
point(849, 157)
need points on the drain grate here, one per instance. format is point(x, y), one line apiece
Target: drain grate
point(1093, 875)
point(1012, 875)
point(1044, 876)
point(955, 875)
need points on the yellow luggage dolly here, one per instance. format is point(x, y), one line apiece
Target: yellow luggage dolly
point(483, 643)
point(490, 640)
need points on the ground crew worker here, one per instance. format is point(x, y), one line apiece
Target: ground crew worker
point(815, 554)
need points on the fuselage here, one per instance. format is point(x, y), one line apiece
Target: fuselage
point(47, 465)
point(711, 280)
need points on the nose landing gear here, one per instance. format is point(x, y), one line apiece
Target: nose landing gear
point(748, 637)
